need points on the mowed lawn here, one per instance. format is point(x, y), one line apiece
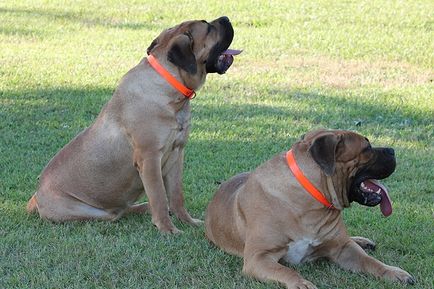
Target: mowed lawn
point(358, 65)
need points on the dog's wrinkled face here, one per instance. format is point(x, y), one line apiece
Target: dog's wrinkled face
point(366, 165)
point(197, 46)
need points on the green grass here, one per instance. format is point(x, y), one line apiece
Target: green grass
point(330, 64)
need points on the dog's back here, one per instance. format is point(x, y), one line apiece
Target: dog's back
point(220, 228)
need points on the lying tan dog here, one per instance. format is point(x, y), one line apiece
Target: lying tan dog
point(268, 216)
point(136, 144)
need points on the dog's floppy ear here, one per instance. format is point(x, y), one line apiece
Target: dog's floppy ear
point(181, 54)
point(153, 44)
point(323, 151)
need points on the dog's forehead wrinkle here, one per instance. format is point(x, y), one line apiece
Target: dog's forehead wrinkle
point(173, 31)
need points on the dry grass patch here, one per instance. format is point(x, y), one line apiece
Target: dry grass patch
point(324, 71)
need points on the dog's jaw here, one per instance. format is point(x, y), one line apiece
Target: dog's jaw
point(220, 58)
point(366, 188)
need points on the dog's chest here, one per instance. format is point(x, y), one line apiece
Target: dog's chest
point(183, 125)
point(300, 251)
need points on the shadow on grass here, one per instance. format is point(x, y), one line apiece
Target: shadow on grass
point(63, 112)
point(37, 123)
point(322, 110)
point(21, 32)
point(51, 14)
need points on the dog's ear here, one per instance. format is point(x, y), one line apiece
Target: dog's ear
point(181, 53)
point(153, 44)
point(323, 151)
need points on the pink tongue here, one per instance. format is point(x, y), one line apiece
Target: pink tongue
point(232, 52)
point(386, 204)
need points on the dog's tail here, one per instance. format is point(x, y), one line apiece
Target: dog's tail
point(32, 206)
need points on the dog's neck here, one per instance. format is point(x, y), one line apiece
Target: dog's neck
point(334, 188)
point(335, 193)
point(192, 82)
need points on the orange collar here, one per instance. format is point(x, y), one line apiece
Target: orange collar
point(307, 185)
point(187, 92)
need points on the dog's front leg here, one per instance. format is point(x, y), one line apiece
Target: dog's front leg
point(351, 256)
point(173, 171)
point(149, 167)
point(263, 264)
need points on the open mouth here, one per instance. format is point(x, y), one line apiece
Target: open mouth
point(371, 193)
point(225, 60)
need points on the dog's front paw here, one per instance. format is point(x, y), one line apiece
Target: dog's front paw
point(302, 284)
point(170, 230)
point(166, 227)
point(364, 243)
point(185, 217)
point(397, 274)
point(194, 222)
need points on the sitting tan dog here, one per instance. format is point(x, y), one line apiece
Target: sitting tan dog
point(136, 145)
point(289, 208)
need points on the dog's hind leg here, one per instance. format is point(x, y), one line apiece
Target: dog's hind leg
point(60, 208)
point(32, 206)
point(365, 243)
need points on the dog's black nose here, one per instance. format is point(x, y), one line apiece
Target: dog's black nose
point(389, 151)
point(223, 20)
